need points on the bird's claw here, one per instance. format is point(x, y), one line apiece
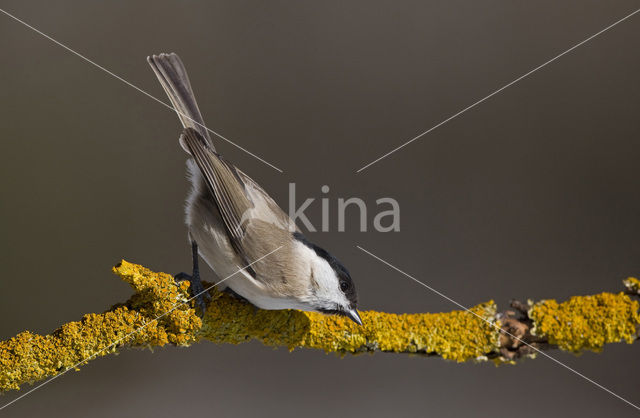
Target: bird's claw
point(180, 277)
point(197, 290)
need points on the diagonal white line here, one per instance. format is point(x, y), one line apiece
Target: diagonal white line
point(175, 306)
point(497, 91)
point(499, 329)
point(137, 88)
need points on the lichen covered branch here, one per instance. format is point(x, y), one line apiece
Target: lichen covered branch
point(158, 314)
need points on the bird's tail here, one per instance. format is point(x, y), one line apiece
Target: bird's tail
point(175, 81)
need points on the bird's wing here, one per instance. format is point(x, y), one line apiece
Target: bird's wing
point(254, 223)
point(175, 81)
point(224, 184)
point(265, 208)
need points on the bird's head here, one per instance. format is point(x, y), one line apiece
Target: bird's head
point(331, 288)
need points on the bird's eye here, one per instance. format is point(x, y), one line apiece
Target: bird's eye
point(344, 286)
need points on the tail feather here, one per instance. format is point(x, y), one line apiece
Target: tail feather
point(175, 81)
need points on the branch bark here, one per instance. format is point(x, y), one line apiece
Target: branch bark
point(158, 314)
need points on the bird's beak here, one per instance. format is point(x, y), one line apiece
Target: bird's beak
point(352, 314)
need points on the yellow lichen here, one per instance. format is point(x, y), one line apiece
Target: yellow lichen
point(30, 357)
point(157, 315)
point(632, 284)
point(158, 296)
point(456, 335)
point(587, 322)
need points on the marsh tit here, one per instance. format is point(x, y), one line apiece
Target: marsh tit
point(232, 222)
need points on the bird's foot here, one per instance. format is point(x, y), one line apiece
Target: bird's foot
point(181, 277)
point(198, 292)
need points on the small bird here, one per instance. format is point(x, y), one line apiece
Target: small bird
point(233, 222)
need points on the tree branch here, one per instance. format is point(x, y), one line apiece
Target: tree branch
point(582, 322)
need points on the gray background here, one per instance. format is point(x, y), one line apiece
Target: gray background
point(533, 194)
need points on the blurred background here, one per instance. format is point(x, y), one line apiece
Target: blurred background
point(532, 194)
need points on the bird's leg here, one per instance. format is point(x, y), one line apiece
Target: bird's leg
point(197, 290)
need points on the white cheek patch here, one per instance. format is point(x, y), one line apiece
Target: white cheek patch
point(328, 286)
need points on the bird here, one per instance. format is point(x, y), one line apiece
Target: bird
point(240, 231)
